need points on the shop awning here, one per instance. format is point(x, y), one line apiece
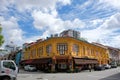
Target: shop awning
point(42, 61)
point(28, 61)
point(85, 61)
point(37, 61)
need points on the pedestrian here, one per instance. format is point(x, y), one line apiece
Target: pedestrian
point(89, 68)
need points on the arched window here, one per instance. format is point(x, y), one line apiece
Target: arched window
point(75, 48)
point(49, 49)
point(62, 48)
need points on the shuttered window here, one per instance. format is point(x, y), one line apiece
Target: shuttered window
point(62, 48)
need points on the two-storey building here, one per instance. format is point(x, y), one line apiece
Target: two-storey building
point(63, 53)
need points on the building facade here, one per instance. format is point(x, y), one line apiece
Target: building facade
point(63, 53)
point(114, 54)
point(3, 54)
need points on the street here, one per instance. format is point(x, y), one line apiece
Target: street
point(110, 74)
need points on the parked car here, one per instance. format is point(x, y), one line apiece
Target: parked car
point(30, 68)
point(113, 65)
point(99, 67)
point(107, 66)
point(8, 70)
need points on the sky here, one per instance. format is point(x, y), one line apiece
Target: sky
point(24, 21)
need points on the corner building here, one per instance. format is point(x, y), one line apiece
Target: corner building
point(63, 54)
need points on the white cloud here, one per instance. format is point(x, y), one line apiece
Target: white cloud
point(31, 39)
point(11, 30)
point(105, 33)
point(30, 5)
point(65, 2)
point(44, 5)
point(9, 24)
point(112, 3)
point(4, 4)
point(112, 23)
point(46, 18)
point(76, 23)
point(115, 41)
point(39, 4)
point(96, 22)
point(54, 24)
point(46, 21)
point(91, 35)
point(43, 20)
point(84, 5)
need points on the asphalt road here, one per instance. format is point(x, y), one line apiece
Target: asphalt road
point(110, 74)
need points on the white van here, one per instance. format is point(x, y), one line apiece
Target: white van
point(8, 70)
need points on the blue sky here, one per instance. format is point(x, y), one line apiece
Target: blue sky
point(28, 20)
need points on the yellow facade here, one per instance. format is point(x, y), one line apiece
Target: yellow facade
point(65, 46)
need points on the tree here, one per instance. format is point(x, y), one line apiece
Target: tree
point(1, 36)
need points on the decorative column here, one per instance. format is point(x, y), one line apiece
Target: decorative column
point(53, 64)
point(71, 65)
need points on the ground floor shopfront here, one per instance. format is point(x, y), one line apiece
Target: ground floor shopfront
point(61, 63)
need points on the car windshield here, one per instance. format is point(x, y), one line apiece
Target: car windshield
point(9, 65)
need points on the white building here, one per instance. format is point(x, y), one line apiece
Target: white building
point(70, 33)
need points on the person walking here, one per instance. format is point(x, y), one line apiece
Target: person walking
point(90, 68)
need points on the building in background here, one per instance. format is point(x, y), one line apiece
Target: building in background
point(11, 47)
point(3, 54)
point(114, 53)
point(70, 33)
point(11, 52)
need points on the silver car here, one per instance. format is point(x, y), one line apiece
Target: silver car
point(107, 66)
point(30, 68)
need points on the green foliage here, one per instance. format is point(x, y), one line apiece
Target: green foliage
point(1, 37)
